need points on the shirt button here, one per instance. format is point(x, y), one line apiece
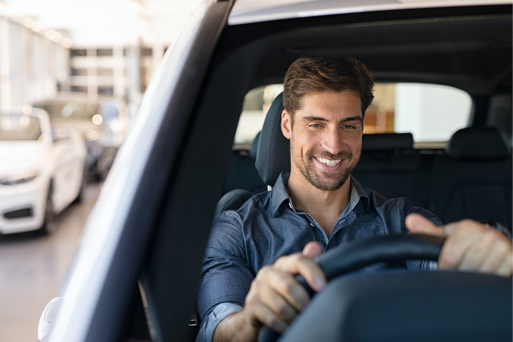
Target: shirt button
point(312, 224)
point(290, 205)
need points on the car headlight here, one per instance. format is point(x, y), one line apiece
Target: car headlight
point(18, 178)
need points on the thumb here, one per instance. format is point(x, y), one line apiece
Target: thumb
point(418, 224)
point(312, 249)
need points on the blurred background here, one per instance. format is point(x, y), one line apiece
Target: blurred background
point(72, 75)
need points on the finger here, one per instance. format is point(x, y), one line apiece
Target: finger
point(463, 237)
point(418, 224)
point(279, 305)
point(282, 283)
point(299, 264)
point(482, 256)
point(499, 258)
point(506, 267)
point(269, 318)
point(312, 249)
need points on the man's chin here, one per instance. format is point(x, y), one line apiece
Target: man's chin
point(328, 184)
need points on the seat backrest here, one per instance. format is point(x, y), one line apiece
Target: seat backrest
point(273, 155)
point(242, 173)
point(389, 164)
point(474, 179)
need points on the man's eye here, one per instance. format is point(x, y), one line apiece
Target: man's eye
point(348, 127)
point(315, 125)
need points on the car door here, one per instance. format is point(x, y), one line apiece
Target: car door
point(104, 271)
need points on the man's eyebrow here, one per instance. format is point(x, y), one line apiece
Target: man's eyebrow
point(318, 118)
point(352, 118)
point(314, 118)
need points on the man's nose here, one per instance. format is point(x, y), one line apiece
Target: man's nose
point(333, 141)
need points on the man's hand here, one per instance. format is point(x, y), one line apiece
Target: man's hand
point(275, 297)
point(470, 245)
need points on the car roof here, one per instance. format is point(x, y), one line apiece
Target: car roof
point(252, 11)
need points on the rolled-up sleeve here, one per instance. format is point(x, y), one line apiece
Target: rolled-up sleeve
point(210, 323)
point(225, 276)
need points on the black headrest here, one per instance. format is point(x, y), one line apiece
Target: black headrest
point(254, 146)
point(478, 143)
point(273, 156)
point(387, 142)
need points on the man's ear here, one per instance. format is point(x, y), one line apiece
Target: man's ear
point(286, 124)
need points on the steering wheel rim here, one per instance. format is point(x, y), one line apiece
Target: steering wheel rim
point(358, 254)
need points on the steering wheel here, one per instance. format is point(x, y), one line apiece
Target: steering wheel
point(358, 254)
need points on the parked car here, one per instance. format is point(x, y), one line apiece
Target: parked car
point(134, 275)
point(41, 170)
point(103, 123)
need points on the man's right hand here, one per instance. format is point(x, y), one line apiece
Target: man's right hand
point(275, 297)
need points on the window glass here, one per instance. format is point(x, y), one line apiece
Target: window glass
point(69, 110)
point(256, 105)
point(19, 127)
point(432, 113)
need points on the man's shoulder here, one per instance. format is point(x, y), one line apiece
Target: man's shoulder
point(258, 203)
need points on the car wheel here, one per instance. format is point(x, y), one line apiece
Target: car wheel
point(49, 220)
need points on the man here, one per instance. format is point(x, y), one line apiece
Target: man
point(253, 253)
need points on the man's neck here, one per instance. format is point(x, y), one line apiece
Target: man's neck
point(324, 206)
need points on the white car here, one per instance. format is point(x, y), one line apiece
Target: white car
point(41, 170)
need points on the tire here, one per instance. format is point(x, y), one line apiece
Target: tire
point(49, 221)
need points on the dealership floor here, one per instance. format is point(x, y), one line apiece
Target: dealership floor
point(32, 267)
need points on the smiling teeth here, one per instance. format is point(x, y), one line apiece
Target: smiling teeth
point(329, 162)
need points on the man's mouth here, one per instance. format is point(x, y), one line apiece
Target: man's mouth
point(329, 162)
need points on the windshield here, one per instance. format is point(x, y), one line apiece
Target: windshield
point(69, 110)
point(19, 127)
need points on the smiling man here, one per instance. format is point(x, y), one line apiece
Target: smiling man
point(247, 277)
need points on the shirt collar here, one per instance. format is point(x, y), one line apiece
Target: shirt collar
point(279, 194)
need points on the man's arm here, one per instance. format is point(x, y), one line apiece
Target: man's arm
point(275, 297)
point(470, 245)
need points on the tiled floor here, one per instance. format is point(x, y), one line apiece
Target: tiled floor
point(32, 267)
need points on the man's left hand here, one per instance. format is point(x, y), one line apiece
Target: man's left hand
point(470, 245)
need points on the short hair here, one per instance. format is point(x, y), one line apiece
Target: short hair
point(307, 75)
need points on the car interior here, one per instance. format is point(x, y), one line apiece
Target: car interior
point(467, 48)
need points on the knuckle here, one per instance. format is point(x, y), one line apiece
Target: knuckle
point(273, 322)
point(281, 307)
point(264, 272)
point(251, 299)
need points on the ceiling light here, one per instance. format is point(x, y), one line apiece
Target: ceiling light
point(36, 26)
point(57, 37)
point(53, 35)
point(97, 119)
point(67, 43)
point(28, 22)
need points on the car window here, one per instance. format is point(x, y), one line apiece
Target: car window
point(19, 127)
point(67, 110)
point(432, 113)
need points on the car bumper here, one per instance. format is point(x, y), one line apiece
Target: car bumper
point(22, 206)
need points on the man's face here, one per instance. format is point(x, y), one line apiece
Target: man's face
point(326, 137)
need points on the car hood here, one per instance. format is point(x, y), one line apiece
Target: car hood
point(21, 155)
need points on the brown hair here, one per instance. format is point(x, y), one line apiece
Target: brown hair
point(308, 75)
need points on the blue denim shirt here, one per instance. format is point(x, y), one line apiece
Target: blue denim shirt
point(268, 226)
